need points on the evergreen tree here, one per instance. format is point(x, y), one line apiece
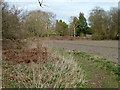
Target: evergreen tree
point(61, 28)
point(82, 25)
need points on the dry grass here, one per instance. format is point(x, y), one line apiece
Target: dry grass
point(60, 72)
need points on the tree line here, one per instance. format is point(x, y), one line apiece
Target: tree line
point(104, 24)
point(17, 24)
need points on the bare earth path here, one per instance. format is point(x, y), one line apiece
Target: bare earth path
point(105, 49)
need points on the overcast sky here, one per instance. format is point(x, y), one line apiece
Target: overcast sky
point(65, 8)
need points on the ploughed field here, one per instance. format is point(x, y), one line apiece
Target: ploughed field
point(104, 49)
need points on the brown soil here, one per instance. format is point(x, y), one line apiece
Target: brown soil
point(105, 49)
point(12, 44)
point(36, 55)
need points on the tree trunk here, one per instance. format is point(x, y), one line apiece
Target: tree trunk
point(74, 30)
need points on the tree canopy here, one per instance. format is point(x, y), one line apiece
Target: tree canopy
point(79, 25)
point(82, 25)
point(104, 23)
point(61, 28)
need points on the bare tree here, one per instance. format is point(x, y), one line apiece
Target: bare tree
point(73, 24)
point(38, 23)
point(104, 24)
point(10, 21)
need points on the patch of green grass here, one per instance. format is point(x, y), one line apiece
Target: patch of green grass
point(95, 68)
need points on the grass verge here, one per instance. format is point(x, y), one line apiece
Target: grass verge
point(65, 69)
point(100, 73)
point(56, 73)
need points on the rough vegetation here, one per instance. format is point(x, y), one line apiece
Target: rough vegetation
point(12, 44)
point(34, 68)
point(45, 68)
point(36, 55)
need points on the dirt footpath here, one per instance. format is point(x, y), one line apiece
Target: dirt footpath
point(105, 49)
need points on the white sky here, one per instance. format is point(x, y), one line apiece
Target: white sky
point(65, 8)
point(64, 0)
